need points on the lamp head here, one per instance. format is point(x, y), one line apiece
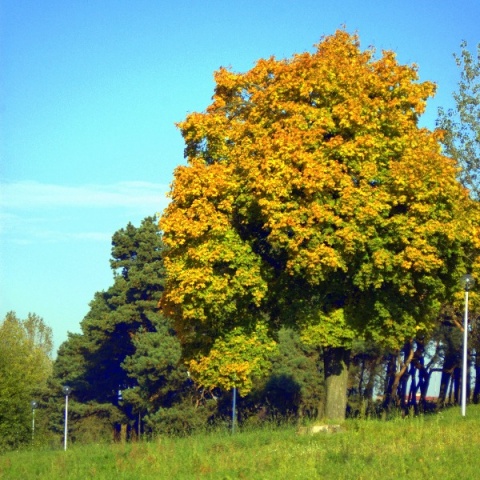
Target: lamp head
point(467, 282)
point(66, 390)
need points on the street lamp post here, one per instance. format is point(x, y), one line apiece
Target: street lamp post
point(34, 405)
point(467, 282)
point(66, 392)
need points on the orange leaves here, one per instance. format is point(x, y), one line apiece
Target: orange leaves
point(424, 259)
point(206, 190)
point(312, 171)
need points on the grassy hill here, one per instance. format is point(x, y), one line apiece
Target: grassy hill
point(443, 445)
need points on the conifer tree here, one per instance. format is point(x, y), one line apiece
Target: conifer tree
point(101, 363)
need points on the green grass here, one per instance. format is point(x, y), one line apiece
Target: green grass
point(443, 445)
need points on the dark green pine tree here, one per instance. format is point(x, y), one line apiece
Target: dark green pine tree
point(111, 364)
point(162, 383)
point(128, 306)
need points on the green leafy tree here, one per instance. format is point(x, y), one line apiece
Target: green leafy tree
point(25, 365)
point(461, 124)
point(312, 198)
point(461, 141)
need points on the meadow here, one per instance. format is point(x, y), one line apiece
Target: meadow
point(442, 445)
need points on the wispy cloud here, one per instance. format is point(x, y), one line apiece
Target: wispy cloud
point(24, 234)
point(33, 195)
point(37, 212)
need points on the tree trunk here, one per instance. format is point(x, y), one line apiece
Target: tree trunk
point(412, 395)
point(396, 396)
point(123, 433)
point(448, 366)
point(369, 387)
point(450, 398)
point(336, 361)
point(389, 381)
point(402, 392)
point(476, 390)
point(424, 383)
point(469, 376)
point(457, 374)
point(361, 376)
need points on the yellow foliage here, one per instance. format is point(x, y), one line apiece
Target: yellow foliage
point(234, 361)
point(312, 171)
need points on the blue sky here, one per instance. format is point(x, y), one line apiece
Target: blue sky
point(89, 95)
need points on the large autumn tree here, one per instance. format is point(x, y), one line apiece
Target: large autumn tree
point(312, 198)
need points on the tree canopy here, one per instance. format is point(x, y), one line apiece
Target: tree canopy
point(312, 197)
point(25, 365)
point(125, 368)
point(461, 124)
point(123, 323)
